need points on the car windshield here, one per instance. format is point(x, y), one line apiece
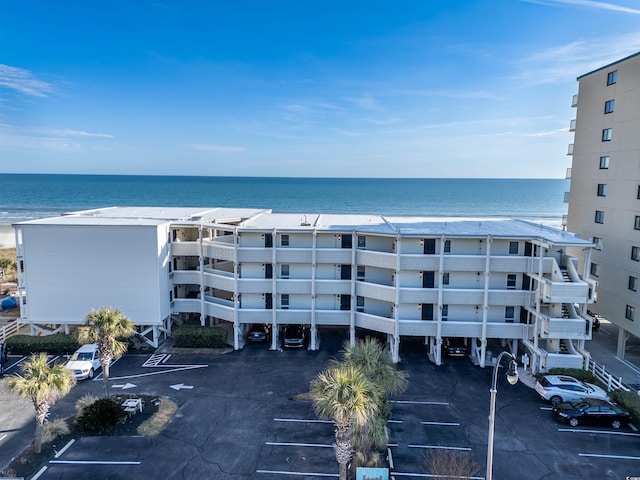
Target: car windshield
point(82, 356)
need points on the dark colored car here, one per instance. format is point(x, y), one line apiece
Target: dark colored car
point(259, 332)
point(591, 411)
point(3, 358)
point(455, 347)
point(293, 336)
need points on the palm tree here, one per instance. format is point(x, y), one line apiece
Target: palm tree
point(345, 395)
point(370, 356)
point(43, 385)
point(106, 327)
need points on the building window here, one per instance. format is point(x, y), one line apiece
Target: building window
point(638, 192)
point(360, 273)
point(511, 281)
point(602, 189)
point(599, 216)
point(606, 134)
point(633, 283)
point(429, 246)
point(604, 162)
point(445, 278)
point(595, 269)
point(359, 304)
point(284, 240)
point(268, 240)
point(445, 313)
point(609, 105)
point(513, 248)
point(346, 241)
point(362, 241)
point(629, 313)
point(447, 246)
point(268, 270)
point(284, 270)
point(636, 223)
point(268, 301)
point(345, 272)
point(635, 254)
point(509, 312)
point(612, 77)
point(284, 301)
point(598, 242)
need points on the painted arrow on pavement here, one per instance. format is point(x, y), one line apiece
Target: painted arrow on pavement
point(179, 386)
point(125, 386)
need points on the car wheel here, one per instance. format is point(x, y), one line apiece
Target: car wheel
point(90, 374)
point(616, 424)
point(573, 422)
point(555, 400)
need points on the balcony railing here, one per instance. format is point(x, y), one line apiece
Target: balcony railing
point(574, 101)
point(568, 175)
point(570, 149)
point(572, 125)
point(566, 197)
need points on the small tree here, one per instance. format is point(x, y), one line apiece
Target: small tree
point(451, 465)
point(43, 385)
point(345, 395)
point(106, 326)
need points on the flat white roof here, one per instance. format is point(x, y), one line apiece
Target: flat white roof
point(264, 220)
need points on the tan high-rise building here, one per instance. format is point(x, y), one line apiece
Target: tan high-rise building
point(604, 200)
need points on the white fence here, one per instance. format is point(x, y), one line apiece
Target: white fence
point(605, 377)
point(8, 330)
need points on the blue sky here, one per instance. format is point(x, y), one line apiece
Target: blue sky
point(302, 88)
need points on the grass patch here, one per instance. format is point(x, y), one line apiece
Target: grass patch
point(154, 425)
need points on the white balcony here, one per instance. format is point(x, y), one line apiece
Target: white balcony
point(191, 249)
point(509, 297)
point(223, 282)
point(254, 285)
point(218, 251)
point(462, 296)
point(185, 277)
point(419, 262)
point(570, 149)
point(246, 315)
point(564, 292)
point(294, 286)
point(566, 197)
point(332, 287)
point(379, 292)
point(418, 295)
point(294, 255)
point(376, 259)
point(465, 263)
point(333, 317)
point(572, 125)
point(333, 255)
point(418, 328)
point(510, 264)
point(561, 360)
point(563, 328)
point(574, 101)
point(186, 305)
point(375, 323)
point(293, 317)
point(255, 255)
point(568, 175)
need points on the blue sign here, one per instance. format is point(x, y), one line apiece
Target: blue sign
point(363, 473)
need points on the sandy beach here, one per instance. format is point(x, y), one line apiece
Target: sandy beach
point(7, 236)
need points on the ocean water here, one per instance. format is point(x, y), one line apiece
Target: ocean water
point(26, 197)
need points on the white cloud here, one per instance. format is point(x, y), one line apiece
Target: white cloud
point(366, 102)
point(218, 148)
point(588, 4)
point(549, 133)
point(76, 133)
point(23, 81)
point(48, 139)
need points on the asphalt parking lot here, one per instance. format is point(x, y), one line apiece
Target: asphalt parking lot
point(237, 419)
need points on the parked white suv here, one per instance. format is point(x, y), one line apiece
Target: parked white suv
point(84, 362)
point(562, 388)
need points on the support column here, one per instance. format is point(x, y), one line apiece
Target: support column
point(623, 336)
point(237, 331)
point(314, 328)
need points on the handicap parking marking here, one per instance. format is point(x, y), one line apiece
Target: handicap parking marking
point(155, 359)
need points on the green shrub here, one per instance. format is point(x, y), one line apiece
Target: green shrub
point(52, 344)
point(100, 416)
point(196, 336)
point(629, 401)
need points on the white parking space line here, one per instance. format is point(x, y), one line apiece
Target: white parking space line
point(413, 402)
point(606, 432)
point(297, 420)
point(166, 358)
point(155, 359)
point(3, 436)
point(445, 424)
point(53, 359)
point(91, 462)
point(291, 444)
point(17, 363)
point(546, 408)
point(620, 457)
point(188, 367)
point(299, 474)
point(395, 421)
point(64, 449)
point(440, 447)
point(40, 472)
point(99, 376)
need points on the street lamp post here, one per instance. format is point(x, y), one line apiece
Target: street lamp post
point(512, 378)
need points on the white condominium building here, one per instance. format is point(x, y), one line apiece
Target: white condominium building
point(485, 280)
point(604, 200)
